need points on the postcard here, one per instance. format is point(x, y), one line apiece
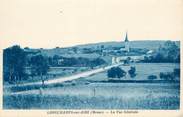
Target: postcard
point(91, 58)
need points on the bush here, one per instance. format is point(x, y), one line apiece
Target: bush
point(116, 72)
point(132, 72)
point(176, 72)
point(152, 77)
point(166, 75)
point(161, 75)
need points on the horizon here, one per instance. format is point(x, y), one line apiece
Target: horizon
point(87, 44)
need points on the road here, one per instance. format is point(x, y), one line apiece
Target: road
point(72, 77)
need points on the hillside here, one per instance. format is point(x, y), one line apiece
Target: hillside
point(148, 44)
point(68, 52)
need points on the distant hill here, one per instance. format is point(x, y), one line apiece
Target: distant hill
point(147, 44)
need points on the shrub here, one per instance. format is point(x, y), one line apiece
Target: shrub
point(167, 75)
point(116, 72)
point(152, 77)
point(161, 75)
point(176, 72)
point(132, 72)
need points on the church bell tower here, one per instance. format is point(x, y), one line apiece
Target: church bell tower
point(127, 45)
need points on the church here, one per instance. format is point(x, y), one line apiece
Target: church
point(126, 49)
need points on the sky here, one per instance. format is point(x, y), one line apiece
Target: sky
point(63, 23)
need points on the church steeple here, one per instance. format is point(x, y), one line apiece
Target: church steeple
point(126, 44)
point(126, 37)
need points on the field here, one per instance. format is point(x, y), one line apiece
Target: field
point(143, 70)
point(98, 96)
point(92, 93)
point(56, 72)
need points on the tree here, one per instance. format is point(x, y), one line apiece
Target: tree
point(97, 62)
point(152, 77)
point(116, 72)
point(14, 60)
point(169, 52)
point(158, 58)
point(54, 61)
point(132, 72)
point(50, 61)
point(101, 49)
point(167, 75)
point(176, 72)
point(127, 61)
point(39, 64)
point(26, 48)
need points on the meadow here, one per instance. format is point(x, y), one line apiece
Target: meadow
point(98, 96)
point(143, 70)
point(91, 93)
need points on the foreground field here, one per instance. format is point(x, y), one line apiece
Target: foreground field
point(92, 93)
point(98, 96)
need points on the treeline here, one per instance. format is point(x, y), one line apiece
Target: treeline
point(168, 53)
point(59, 61)
point(16, 59)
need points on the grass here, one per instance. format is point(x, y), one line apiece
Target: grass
point(53, 73)
point(78, 94)
point(143, 70)
point(32, 87)
point(31, 101)
point(105, 96)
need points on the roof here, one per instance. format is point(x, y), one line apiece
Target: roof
point(126, 37)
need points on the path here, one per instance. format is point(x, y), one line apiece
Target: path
point(72, 77)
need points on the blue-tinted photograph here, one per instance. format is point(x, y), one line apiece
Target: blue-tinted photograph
point(126, 74)
point(99, 55)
